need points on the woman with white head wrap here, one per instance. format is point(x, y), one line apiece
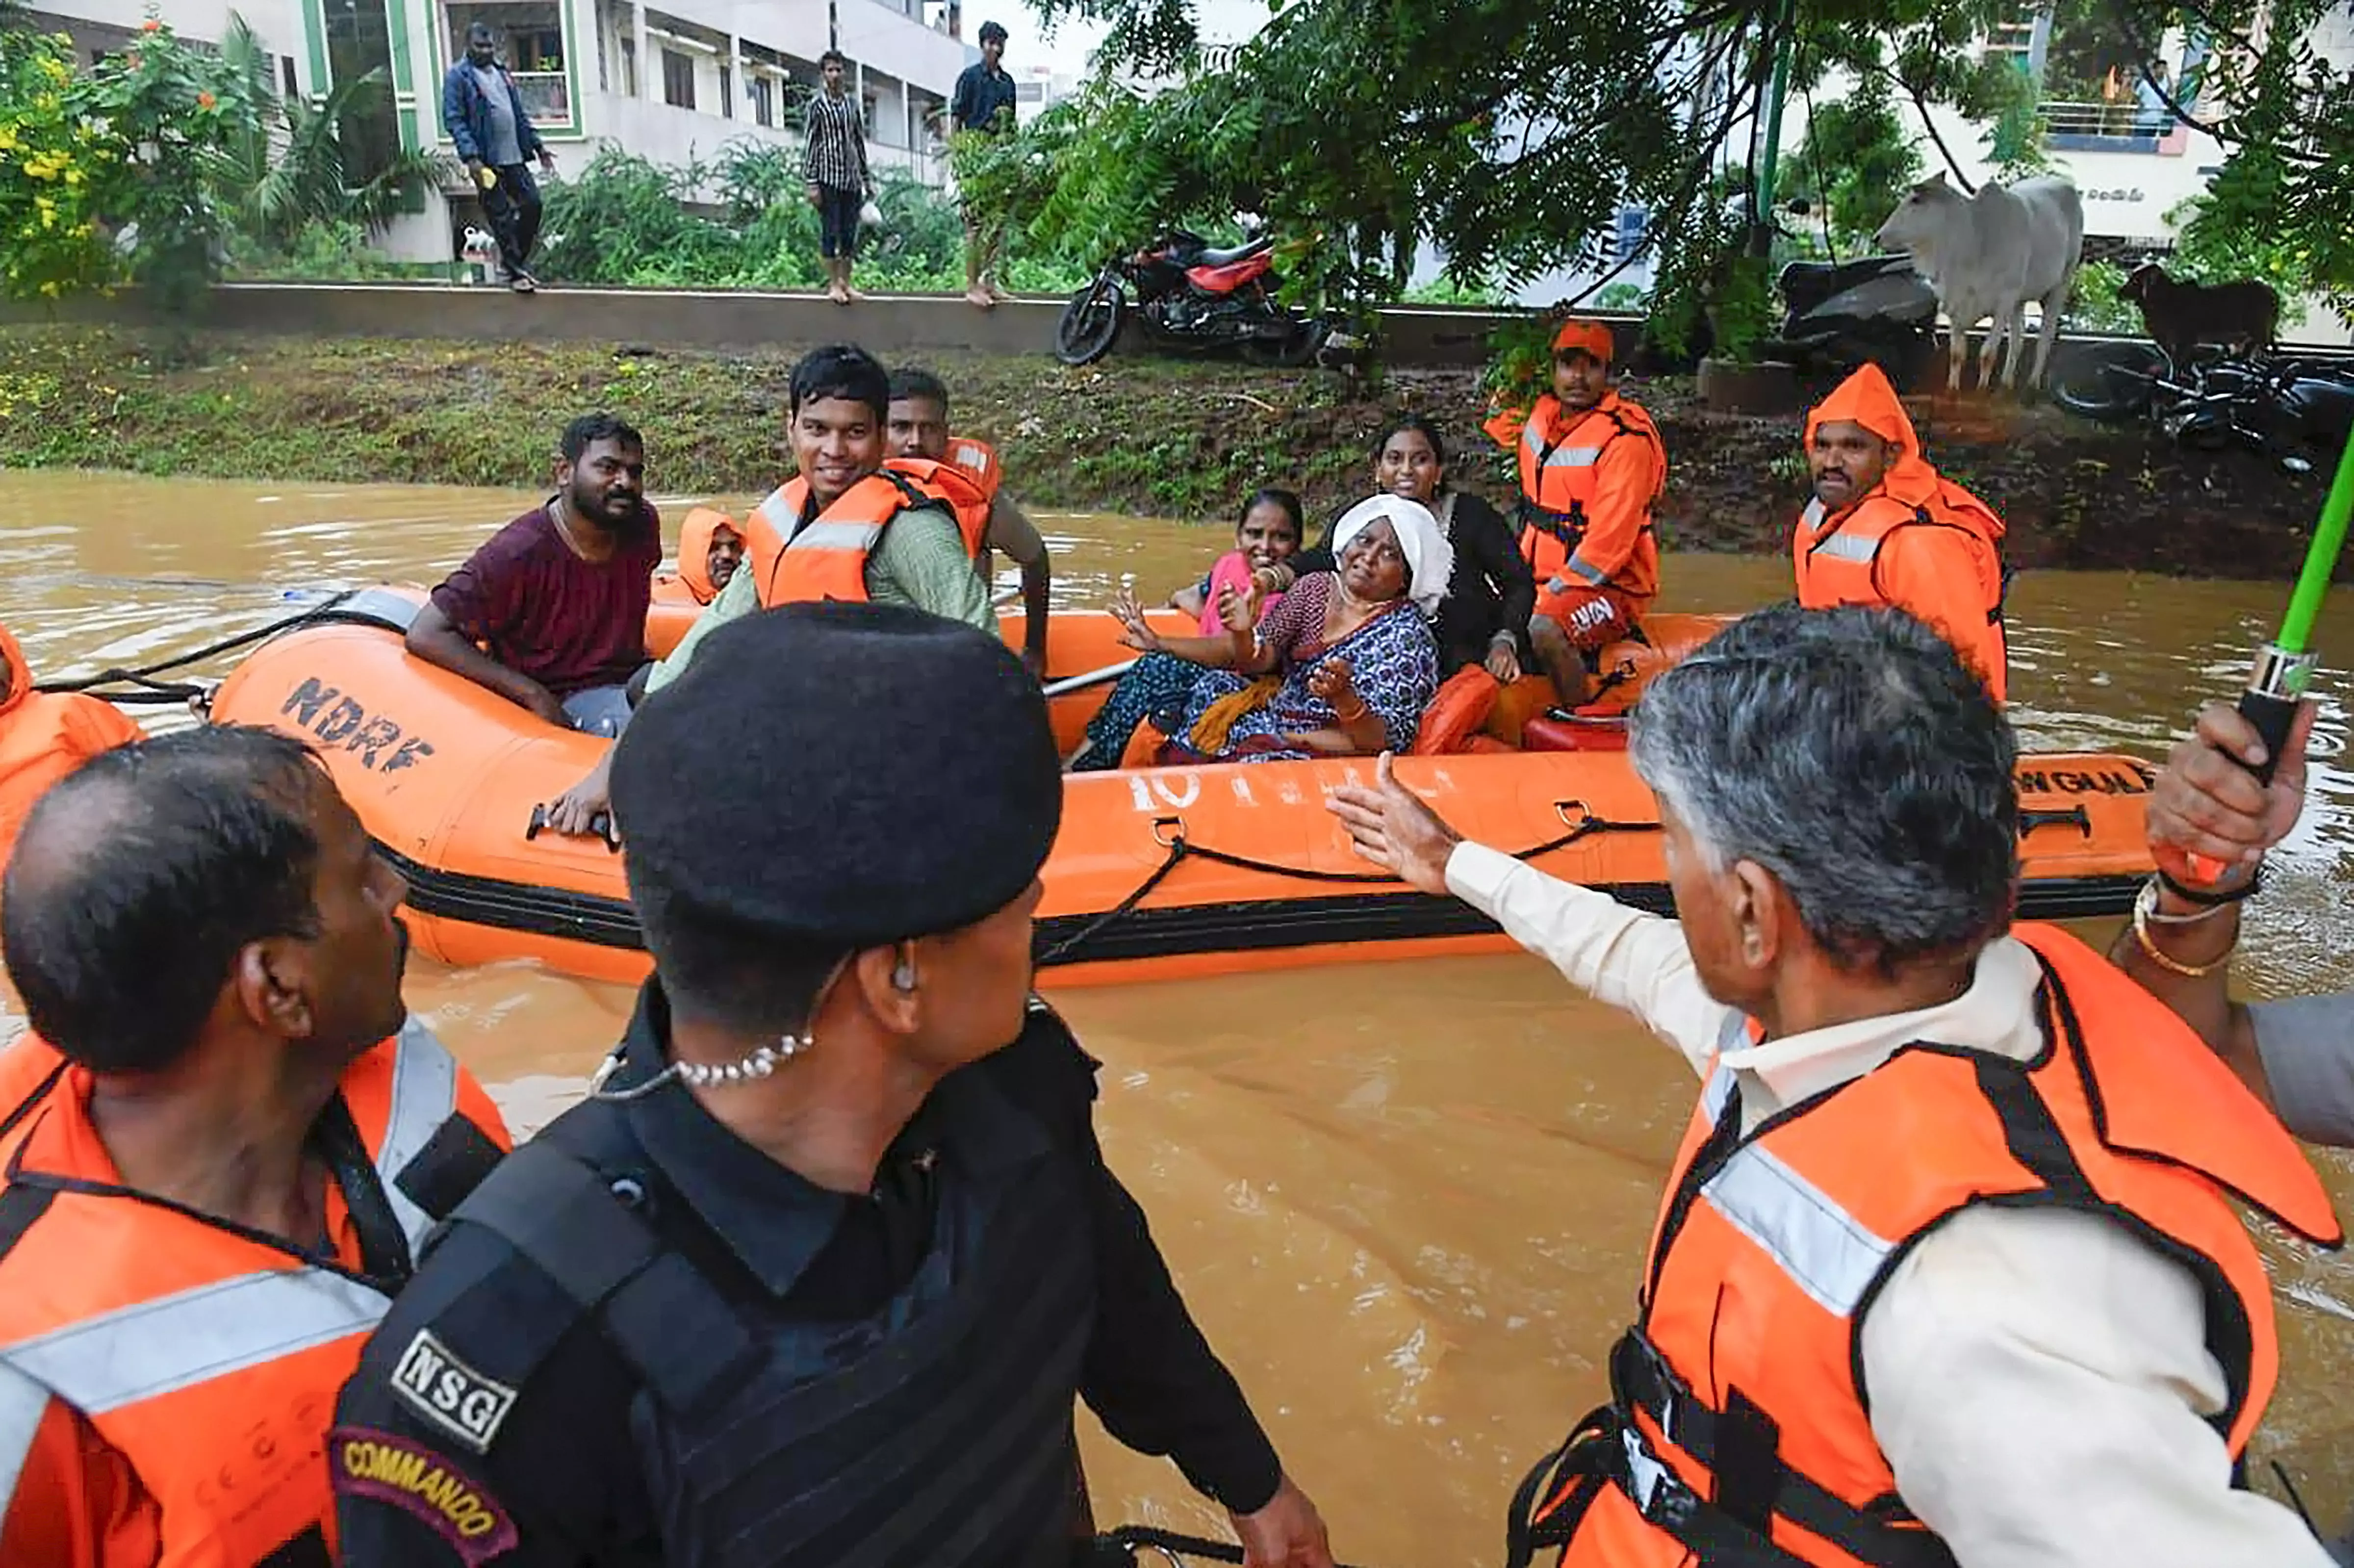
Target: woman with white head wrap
point(1429, 556)
point(1350, 656)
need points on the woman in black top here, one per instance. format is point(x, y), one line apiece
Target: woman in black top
point(1484, 619)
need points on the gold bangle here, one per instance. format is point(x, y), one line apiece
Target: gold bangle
point(2172, 965)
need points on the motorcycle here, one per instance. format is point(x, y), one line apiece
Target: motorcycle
point(1844, 315)
point(2285, 408)
point(1192, 295)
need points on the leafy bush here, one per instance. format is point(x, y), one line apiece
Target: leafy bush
point(1856, 162)
point(281, 171)
point(101, 167)
point(53, 167)
point(628, 220)
point(2094, 306)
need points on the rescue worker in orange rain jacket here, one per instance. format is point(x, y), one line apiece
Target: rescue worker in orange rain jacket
point(710, 548)
point(43, 736)
point(1885, 528)
point(1591, 467)
point(221, 1155)
point(1948, 1270)
point(845, 528)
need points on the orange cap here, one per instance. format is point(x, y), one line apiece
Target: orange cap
point(1592, 336)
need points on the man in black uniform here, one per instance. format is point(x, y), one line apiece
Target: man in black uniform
point(814, 1275)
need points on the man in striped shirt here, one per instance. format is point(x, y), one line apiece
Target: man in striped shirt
point(834, 164)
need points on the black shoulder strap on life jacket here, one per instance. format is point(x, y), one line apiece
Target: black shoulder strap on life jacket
point(908, 492)
point(32, 1101)
point(1732, 1527)
point(580, 1227)
point(384, 1246)
point(453, 1162)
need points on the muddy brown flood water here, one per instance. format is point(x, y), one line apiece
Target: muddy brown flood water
point(1408, 1201)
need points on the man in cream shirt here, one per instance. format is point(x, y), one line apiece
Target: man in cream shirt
point(1906, 1298)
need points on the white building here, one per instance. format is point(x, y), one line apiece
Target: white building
point(1038, 88)
point(671, 81)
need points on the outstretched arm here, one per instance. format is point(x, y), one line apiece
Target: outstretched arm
point(1626, 959)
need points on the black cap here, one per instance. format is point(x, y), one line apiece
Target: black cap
point(842, 774)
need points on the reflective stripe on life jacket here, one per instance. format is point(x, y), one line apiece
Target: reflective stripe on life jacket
point(1559, 483)
point(977, 461)
point(825, 557)
point(1771, 1248)
point(1837, 560)
point(209, 1356)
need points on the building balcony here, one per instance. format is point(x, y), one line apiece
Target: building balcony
point(2102, 127)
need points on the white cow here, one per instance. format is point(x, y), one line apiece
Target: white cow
point(1989, 254)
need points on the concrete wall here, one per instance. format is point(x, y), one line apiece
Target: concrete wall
point(888, 324)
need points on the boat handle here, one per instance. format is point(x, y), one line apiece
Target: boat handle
point(601, 824)
point(1562, 809)
point(2030, 820)
point(1169, 831)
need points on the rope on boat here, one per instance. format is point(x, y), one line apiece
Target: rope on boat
point(146, 689)
point(1180, 848)
point(1131, 1537)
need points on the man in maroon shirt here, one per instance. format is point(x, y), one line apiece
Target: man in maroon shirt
point(550, 611)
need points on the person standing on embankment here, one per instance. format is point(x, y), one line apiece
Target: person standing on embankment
point(483, 112)
point(834, 162)
point(983, 106)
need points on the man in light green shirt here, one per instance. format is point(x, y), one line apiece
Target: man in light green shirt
point(841, 399)
point(920, 562)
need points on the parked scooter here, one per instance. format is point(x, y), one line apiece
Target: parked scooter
point(1844, 315)
point(1192, 295)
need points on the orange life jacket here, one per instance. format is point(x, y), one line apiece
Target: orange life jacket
point(1838, 561)
point(209, 1360)
point(977, 461)
point(1738, 1429)
point(1559, 479)
point(43, 736)
point(792, 561)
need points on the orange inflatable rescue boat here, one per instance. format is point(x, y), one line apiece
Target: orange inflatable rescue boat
point(1158, 872)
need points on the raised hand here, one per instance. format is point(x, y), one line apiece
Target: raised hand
point(1238, 611)
point(1135, 630)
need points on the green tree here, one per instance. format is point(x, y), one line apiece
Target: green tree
point(1511, 135)
point(101, 165)
point(1857, 161)
point(283, 167)
point(53, 167)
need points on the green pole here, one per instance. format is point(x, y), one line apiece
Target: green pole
point(2320, 557)
point(1784, 26)
point(2285, 664)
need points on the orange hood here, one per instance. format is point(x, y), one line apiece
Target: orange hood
point(695, 537)
point(15, 673)
point(1866, 399)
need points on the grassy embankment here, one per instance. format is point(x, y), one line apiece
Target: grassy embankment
point(1133, 435)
